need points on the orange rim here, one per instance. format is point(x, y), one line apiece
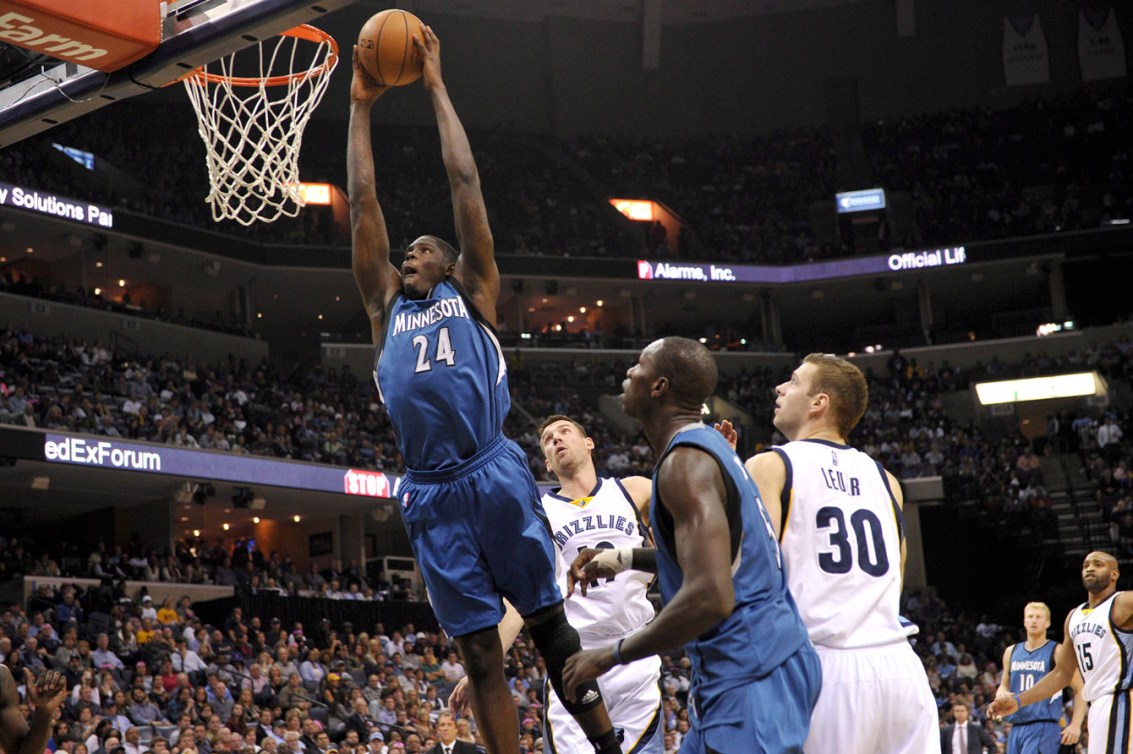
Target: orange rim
point(303, 31)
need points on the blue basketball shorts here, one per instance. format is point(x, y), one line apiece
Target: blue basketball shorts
point(1034, 738)
point(768, 716)
point(479, 533)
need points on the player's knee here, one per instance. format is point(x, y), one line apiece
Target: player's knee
point(482, 655)
point(557, 640)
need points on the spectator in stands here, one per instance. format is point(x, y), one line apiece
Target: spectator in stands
point(142, 711)
point(103, 657)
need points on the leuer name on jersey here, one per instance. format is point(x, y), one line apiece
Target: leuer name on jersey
point(836, 480)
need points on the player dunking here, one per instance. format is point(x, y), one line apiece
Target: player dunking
point(838, 516)
point(587, 511)
point(468, 500)
point(755, 677)
point(1098, 636)
point(1035, 729)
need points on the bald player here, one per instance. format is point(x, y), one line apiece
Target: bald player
point(1098, 637)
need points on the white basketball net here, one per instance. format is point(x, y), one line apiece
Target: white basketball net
point(252, 127)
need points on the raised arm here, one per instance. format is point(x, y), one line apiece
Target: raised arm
point(46, 694)
point(376, 278)
point(476, 268)
point(692, 487)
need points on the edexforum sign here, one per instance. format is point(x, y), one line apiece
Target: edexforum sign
point(100, 453)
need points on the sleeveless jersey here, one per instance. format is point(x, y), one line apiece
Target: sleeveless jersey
point(1104, 652)
point(764, 629)
point(1025, 668)
point(608, 518)
point(841, 538)
point(441, 374)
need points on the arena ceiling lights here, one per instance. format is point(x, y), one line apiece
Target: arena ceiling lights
point(1040, 388)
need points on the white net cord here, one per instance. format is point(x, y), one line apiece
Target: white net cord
point(253, 134)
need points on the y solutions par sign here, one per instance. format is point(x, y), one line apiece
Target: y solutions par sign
point(53, 205)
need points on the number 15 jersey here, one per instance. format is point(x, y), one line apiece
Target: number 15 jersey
point(1105, 652)
point(841, 540)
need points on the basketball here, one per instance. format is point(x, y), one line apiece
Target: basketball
point(386, 50)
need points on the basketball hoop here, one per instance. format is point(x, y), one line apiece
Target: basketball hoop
point(252, 126)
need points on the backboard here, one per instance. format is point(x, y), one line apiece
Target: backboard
point(38, 92)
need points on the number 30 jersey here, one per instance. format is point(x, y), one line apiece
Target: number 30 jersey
point(841, 540)
point(441, 374)
point(1105, 652)
point(606, 518)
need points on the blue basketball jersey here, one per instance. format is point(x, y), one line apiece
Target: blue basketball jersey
point(441, 374)
point(1025, 669)
point(764, 629)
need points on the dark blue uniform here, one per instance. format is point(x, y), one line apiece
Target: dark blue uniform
point(755, 676)
point(1034, 728)
point(468, 499)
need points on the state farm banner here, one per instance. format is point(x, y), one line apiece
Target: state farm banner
point(101, 34)
point(1026, 59)
point(1101, 49)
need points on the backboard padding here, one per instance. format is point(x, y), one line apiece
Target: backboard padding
point(200, 34)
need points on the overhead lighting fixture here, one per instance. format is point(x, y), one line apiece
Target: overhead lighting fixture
point(1040, 388)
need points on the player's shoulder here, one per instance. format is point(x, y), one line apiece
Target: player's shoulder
point(636, 487)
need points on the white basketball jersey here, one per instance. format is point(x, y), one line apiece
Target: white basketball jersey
point(1103, 651)
point(841, 542)
point(606, 517)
